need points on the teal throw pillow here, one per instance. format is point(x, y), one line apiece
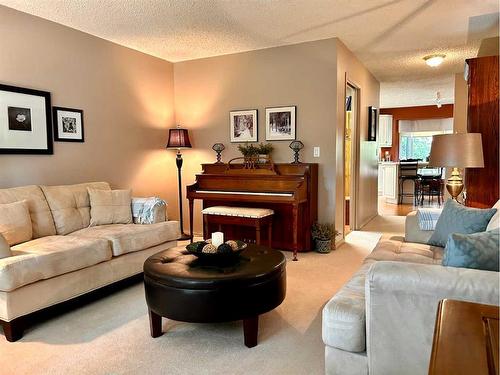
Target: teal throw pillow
point(479, 251)
point(457, 218)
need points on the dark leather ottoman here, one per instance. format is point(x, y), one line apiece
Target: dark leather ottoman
point(181, 287)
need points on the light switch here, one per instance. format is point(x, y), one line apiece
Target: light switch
point(316, 151)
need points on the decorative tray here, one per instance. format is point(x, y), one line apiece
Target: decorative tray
point(205, 250)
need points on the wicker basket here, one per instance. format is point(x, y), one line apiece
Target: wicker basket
point(323, 246)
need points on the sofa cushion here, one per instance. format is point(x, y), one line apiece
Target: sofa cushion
point(15, 222)
point(344, 315)
point(478, 250)
point(457, 218)
point(495, 220)
point(70, 205)
point(41, 217)
point(50, 256)
point(4, 248)
point(110, 206)
point(398, 250)
point(127, 238)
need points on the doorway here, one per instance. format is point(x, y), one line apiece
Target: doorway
point(350, 147)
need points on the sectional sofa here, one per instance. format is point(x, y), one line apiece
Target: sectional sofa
point(382, 321)
point(66, 258)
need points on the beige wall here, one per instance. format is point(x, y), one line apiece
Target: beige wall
point(127, 98)
point(349, 67)
point(304, 75)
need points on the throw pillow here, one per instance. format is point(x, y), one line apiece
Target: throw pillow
point(457, 218)
point(479, 250)
point(4, 248)
point(15, 222)
point(110, 207)
point(495, 220)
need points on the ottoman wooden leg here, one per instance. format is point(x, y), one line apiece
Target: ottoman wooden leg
point(155, 324)
point(250, 331)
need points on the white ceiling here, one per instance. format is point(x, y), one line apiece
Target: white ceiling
point(389, 36)
point(417, 92)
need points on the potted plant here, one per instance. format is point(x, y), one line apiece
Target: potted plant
point(250, 154)
point(323, 235)
point(264, 150)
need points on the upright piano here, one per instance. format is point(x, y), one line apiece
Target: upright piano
point(291, 190)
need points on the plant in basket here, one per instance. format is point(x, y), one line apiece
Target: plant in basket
point(323, 234)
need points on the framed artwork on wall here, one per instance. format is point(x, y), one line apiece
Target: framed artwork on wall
point(68, 124)
point(243, 125)
point(372, 123)
point(280, 123)
point(25, 121)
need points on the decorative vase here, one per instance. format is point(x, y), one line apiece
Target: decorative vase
point(322, 246)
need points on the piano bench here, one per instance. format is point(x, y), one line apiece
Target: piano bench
point(239, 216)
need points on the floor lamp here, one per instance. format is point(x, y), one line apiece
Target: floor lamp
point(178, 138)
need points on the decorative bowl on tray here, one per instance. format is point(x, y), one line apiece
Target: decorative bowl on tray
point(205, 250)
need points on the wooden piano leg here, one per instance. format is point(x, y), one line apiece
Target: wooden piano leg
point(295, 213)
point(270, 234)
point(191, 219)
point(257, 234)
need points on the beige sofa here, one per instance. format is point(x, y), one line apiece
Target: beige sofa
point(66, 258)
point(382, 321)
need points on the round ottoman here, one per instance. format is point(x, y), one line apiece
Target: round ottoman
point(181, 287)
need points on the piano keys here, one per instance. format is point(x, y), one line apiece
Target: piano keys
point(291, 190)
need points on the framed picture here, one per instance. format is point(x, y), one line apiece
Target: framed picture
point(372, 123)
point(280, 123)
point(68, 124)
point(25, 121)
point(243, 126)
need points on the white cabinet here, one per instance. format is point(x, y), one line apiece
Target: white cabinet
point(388, 182)
point(385, 131)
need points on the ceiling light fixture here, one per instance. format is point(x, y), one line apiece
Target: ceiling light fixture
point(434, 60)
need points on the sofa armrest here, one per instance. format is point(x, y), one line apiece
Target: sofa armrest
point(413, 233)
point(401, 306)
point(159, 211)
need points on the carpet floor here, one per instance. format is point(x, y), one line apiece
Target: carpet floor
point(111, 335)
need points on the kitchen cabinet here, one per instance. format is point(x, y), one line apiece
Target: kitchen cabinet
point(388, 181)
point(385, 131)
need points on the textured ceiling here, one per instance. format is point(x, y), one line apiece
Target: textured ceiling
point(417, 92)
point(389, 36)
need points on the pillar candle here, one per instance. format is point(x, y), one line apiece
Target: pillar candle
point(217, 238)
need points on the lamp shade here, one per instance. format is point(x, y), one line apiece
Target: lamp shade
point(461, 150)
point(178, 138)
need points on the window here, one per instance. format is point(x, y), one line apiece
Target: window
point(417, 145)
point(414, 147)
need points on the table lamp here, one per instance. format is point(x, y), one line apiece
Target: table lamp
point(460, 150)
point(178, 138)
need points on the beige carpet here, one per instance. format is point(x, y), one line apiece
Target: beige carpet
point(111, 335)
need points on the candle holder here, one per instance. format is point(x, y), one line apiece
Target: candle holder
point(296, 146)
point(218, 148)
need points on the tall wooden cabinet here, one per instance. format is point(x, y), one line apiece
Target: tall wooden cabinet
point(482, 117)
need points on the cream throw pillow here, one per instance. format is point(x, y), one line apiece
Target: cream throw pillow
point(110, 207)
point(15, 222)
point(4, 248)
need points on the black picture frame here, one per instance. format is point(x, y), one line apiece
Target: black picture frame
point(372, 123)
point(49, 150)
point(55, 117)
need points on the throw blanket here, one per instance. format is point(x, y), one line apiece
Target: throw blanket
point(143, 209)
point(428, 217)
